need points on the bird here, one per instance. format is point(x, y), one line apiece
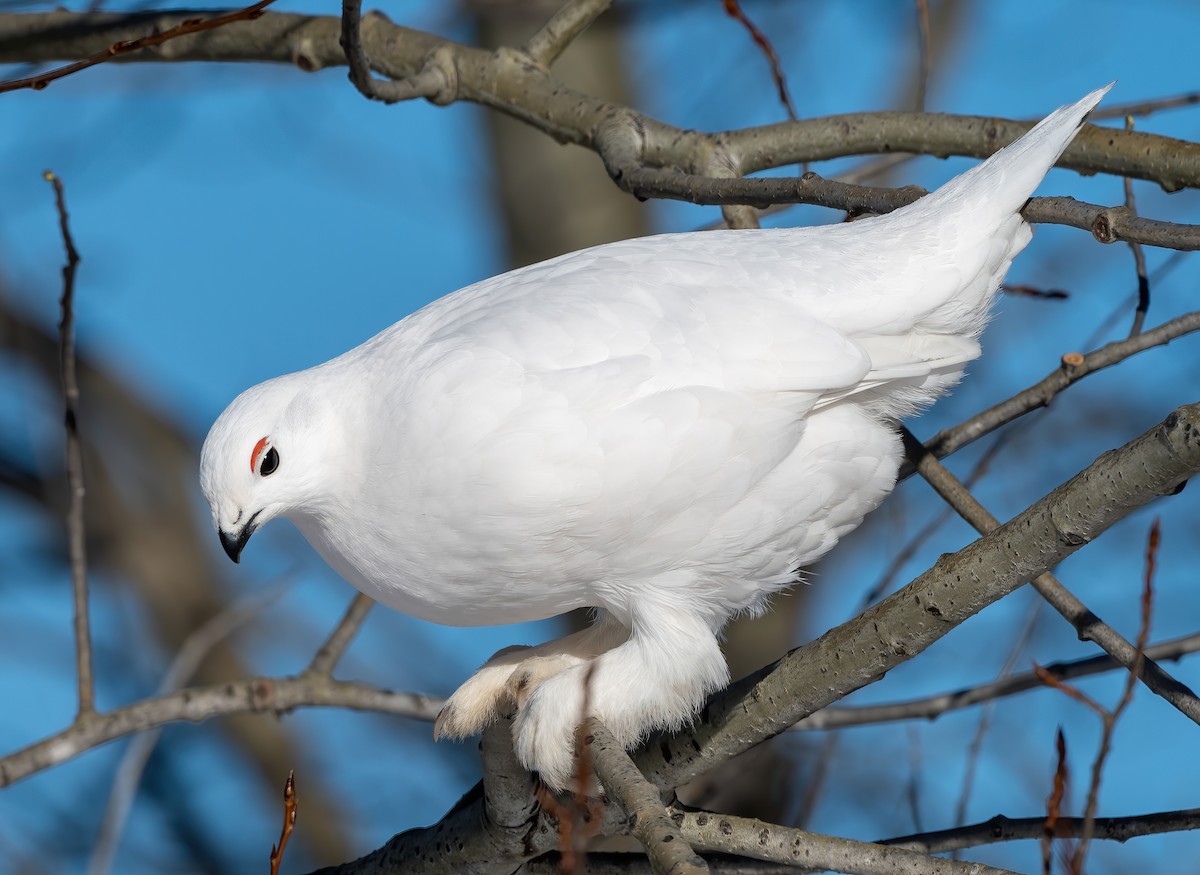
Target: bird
point(665, 430)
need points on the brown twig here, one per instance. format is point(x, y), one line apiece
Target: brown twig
point(1110, 718)
point(75, 522)
point(325, 659)
point(125, 47)
point(733, 8)
point(289, 822)
point(1054, 804)
point(1067, 689)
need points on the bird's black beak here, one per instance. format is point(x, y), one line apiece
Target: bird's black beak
point(234, 543)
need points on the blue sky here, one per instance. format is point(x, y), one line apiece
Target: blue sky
point(239, 222)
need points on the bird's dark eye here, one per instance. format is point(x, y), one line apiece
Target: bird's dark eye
point(269, 463)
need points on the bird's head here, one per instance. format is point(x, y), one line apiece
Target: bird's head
point(263, 458)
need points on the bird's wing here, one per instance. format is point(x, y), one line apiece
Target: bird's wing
point(685, 317)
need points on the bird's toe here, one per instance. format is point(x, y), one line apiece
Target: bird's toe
point(478, 702)
point(535, 671)
point(545, 730)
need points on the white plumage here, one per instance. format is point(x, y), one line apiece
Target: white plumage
point(665, 429)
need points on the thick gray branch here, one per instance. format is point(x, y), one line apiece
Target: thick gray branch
point(513, 82)
point(1088, 626)
point(957, 587)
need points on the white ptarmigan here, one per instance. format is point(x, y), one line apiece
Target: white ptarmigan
point(665, 429)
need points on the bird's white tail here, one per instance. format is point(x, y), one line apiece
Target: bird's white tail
point(1008, 178)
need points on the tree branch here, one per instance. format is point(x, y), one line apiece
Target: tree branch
point(129, 772)
point(126, 47)
point(76, 536)
point(495, 827)
point(931, 707)
point(555, 35)
point(1072, 368)
point(259, 694)
point(435, 80)
point(669, 852)
point(1088, 626)
point(339, 639)
point(1006, 829)
point(812, 851)
point(507, 81)
point(957, 587)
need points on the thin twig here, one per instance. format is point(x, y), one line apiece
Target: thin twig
point(1072, 368)
point(1028, 291)
point(1106, 224)
point(733, 8)
point(339, 639)
point(124, 47)
point(932, 707)
point(912, 789)
point(1139, 257)
point(1165, 269)
point(1067, 689)
point(818, 783)
point(1110, 718)
point(975, 748)
point(1009, 829)
point(129, 773)
point(1146, 107)
point(248, 695)
point(76, 534)
point(545, 46)
point(289, 822)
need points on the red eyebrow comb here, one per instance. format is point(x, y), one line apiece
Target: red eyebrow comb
point(258, 448)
